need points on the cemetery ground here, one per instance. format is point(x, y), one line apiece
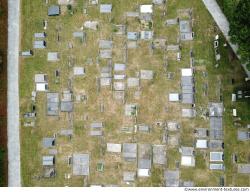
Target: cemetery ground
point(99, 104)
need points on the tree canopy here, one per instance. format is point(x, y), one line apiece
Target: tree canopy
point(2, 153)
point(1, 11)
point(240, 28)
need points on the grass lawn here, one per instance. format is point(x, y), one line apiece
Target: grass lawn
point(153, 103)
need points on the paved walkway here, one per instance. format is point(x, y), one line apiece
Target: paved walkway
point(223, 24)
point(14, 176)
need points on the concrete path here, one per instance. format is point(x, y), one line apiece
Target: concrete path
point(223, 24)
point(14, 176)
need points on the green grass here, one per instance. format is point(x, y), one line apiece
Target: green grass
point(242, 181)
point(156, 177)
point(200, 161)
